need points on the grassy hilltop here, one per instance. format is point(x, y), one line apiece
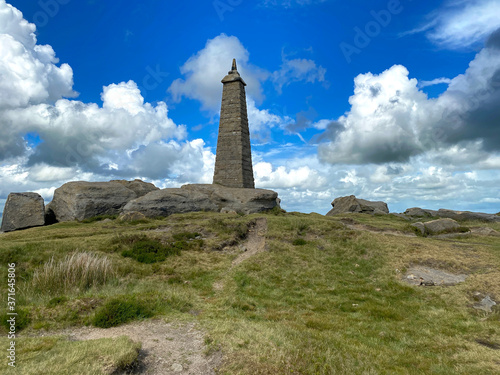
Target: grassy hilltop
point(321, 297)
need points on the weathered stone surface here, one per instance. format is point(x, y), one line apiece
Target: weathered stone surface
point(401, 216)
point(233, 163)
point(485, 231)
point(166, 202)
point(351, 204)
point(441, 225)
point(132, 216)
point(467, 215)
point(426, 276)
point(139, 187)
point(192, 198)
point(486, 304)
point(420, 227)
point(450, 214)
point(438, 226)
point(23, 210)
point(419, 212)
point(82, 200)
point(246, 201)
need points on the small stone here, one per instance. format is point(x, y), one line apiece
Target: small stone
point(427, 283)
point(176, 367)
point(486, 304)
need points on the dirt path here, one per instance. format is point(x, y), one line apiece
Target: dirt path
point(254, 244)
point(166, 348)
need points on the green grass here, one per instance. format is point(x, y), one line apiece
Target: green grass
point(99, 218)
point(323, 299)
point(78, 271)
point(150, 251)
point(122, 310)
point(57, 355)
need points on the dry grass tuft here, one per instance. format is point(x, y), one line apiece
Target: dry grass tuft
point(78, 271)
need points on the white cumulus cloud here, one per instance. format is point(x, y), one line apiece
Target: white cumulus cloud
point(29, 71)
point(204, 71)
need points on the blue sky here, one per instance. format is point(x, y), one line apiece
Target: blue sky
point(388, 100)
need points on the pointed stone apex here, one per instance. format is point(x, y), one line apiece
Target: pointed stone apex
point(233, 75)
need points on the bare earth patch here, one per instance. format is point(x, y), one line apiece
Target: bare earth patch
point(254, 244)
point(166, 348)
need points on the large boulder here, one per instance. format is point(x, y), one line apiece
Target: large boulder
point(166, 202)
point(467, 215)
point(438, 226)
point(82, 200)
point(441, 225)
point(139, 187)
point(351, 204)
point(246, 201)
point(419, 212)
point(450, 214)
point(23, 210)
point(192, 198)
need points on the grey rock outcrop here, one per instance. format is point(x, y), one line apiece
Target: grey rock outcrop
point(192, 198)
point(23, 210)
point(450, 214)
point(82, 200)
point(421, 275)
point(485, 231)
point(467, 215)
point(420, 227)
point(351, 204)
point(419, 212)
point(139, 187)
point(437, 226)
point(441, 225)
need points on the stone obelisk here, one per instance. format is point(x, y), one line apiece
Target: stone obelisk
point(233, 162)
